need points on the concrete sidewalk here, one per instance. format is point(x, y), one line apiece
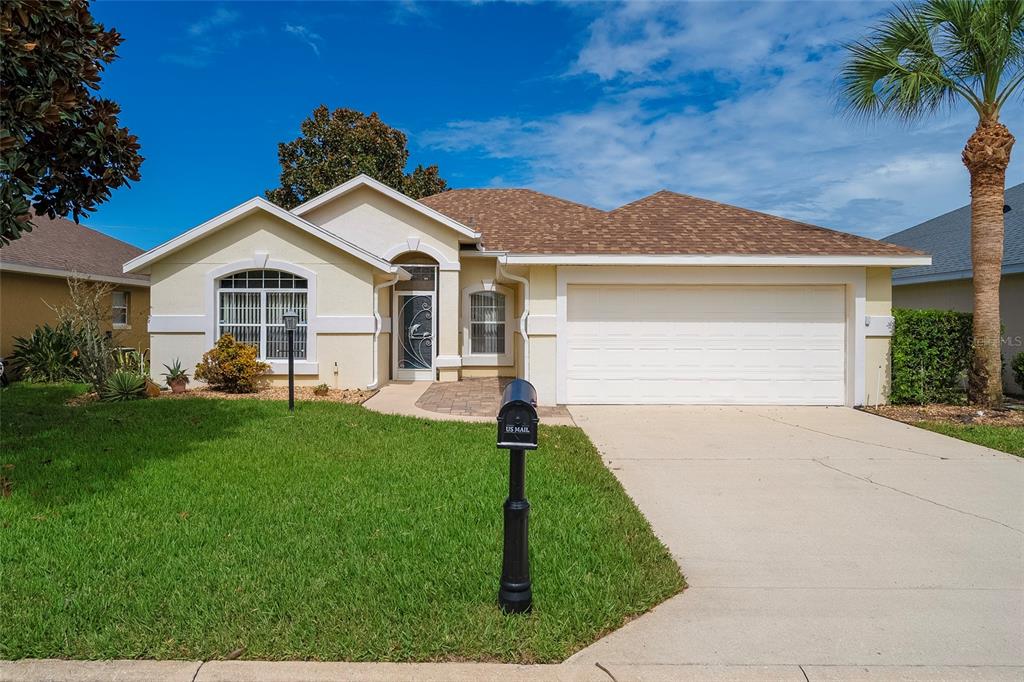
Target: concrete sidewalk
point(287, 671)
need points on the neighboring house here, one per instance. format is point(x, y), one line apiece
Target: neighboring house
point(948, 284)
point(33, 280)
point(670, 299)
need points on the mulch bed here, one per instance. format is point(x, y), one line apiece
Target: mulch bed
point(352, 396)
point(335, 395)
point(953, 414)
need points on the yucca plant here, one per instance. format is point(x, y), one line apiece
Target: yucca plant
point(933, 55)
point(122, 385)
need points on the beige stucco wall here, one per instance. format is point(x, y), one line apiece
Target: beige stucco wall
point(959, 295)
point(378, 223)
point(877, 366)
point(181, 286)
point(877, 292)
point(26, 300)
point(475, 271)
point(541, 330)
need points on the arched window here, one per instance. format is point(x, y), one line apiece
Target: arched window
point(487, 328)
point(251, 306)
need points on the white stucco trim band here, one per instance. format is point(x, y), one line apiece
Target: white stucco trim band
point(301, 367)
point(363, 180)
point(346, 324)
point(251, 206)
point(671, 259)
point(177, 324)
point(543, 325)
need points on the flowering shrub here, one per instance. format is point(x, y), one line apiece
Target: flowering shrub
point(232, 366)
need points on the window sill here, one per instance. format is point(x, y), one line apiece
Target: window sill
point(487, 361)
point(301, 367)
point(122, 326)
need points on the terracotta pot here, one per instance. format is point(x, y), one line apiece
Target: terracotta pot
point(177, 386)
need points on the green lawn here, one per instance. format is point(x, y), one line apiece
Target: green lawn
point(191, 528)
point(1006, 438)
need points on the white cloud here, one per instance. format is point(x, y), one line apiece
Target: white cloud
point(307, 36)
point(773, 141)
point(210, 36)
point(220, 17)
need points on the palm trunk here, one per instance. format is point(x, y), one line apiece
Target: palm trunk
point(986, 156)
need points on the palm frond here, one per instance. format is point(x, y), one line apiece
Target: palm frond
point(925, 56)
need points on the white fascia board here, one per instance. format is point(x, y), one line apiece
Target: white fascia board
point(363, 180)
point(672, 259)
point(64, 274)
point(899, 281)
point(241, 211)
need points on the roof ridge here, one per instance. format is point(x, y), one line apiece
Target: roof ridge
point(518, 189)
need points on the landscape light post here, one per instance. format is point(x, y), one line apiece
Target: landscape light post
point(291, 321)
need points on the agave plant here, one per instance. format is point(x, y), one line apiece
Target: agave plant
point(122, 385)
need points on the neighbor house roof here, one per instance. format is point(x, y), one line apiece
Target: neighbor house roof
point(59, 247)
point(948, 238)
point(665, 223)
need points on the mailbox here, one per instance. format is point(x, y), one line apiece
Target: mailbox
point(517, 417)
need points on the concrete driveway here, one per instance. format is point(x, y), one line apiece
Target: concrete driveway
point(821, 537)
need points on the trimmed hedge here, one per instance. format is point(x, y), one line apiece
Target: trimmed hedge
point(931, 354)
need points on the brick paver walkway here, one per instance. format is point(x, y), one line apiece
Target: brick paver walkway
point(474, 397)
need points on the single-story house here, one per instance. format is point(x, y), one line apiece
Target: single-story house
point(948, 283)
point(33, 280)
point(669, 299)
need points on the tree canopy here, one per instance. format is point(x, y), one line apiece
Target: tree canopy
point(932, 54)
point(62, 149)
point(335, 146)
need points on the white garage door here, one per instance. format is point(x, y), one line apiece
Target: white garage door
point(705, 344)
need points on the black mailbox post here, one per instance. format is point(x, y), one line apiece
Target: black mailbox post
point(517, 433)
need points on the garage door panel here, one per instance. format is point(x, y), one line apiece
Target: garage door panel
point(714, 344)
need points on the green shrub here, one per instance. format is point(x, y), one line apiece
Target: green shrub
point(49, 355)
point(1018, 369)
point(232, 366)
point(931, 354)
point(124, 384)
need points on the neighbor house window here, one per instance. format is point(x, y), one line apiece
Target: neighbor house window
point(487, 328)
point(251, 307)
point(119, 308)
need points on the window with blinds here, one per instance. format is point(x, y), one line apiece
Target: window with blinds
point(251, 307)
point(487, 323)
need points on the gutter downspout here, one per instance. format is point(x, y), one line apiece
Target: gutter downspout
point(502, 273)
point(400, 276)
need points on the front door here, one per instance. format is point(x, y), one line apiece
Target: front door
point(415, 327)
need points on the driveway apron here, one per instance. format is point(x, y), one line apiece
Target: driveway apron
point(819, 537)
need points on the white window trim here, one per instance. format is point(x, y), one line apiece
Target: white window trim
point(263, 325)
point(262, 261)
point(127, 324)
point(469, 358)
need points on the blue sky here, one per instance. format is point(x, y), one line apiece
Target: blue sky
point(599, 103)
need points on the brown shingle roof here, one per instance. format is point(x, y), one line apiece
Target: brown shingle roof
point(60, 244)
point(524, 221)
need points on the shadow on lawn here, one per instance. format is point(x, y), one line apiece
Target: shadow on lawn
point(54, 454)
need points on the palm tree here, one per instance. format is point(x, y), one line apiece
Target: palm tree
point(932, 55)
